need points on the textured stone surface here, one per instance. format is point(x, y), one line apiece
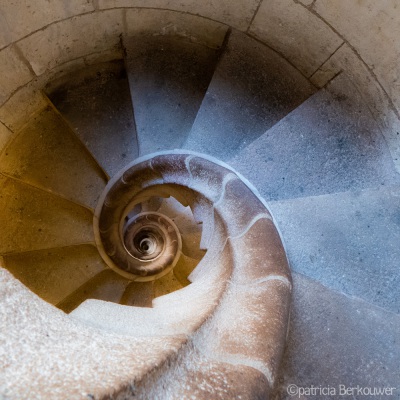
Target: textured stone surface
point(372, 28)
point(369, 89)
point(200, 378)
point(5, 135)
point(55, 273)
point(33, 219)
point(19, 18)
point(296, 33)
point(251, 89)
point(107, 286)
point(338, 340)
point(97, 104)
point(49, 355)
point(14, 72)
point(231, 12)
point(24, 103)
point(234, 316)
point(168, 77)
point(48, 141)
point(143, 21)
point(347, 241)
point(330, 143)
point(248, 326)
point(261, 253)
point(73, 38)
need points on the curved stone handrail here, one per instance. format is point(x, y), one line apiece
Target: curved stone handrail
point(220, 337)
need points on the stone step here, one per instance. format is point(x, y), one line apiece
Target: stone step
point(329, 144)
point(54, 274)
point(97, 104)
point(338, 343)
point(34, 219)
point(106, 285)
point(168, 78)
point(47, 154)
point(347, 241)
point(252, 88)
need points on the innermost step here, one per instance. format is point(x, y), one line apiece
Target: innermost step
point(168, 78)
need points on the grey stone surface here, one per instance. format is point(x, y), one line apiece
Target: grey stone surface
point(252, 89)
point(347, 241)
point(338, 340)
point(329, 144)
point(168, 78)
point(299, 35)
point(96, 102)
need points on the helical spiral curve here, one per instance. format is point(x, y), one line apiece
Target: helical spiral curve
point(226, 330)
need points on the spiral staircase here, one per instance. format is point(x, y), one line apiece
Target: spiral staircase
point(143, 208)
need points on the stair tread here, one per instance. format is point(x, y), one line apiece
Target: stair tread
point(138, 294)
point(96, 102)
point(47, 154)
point(168, 78)
point(252, 88)
point(347, 241)
point(55, 273)
point(33, 219)
point(329, 144)
point(107, 285)
point(336, 340)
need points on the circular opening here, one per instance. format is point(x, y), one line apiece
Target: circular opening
point(143, 239)
point(146, 243)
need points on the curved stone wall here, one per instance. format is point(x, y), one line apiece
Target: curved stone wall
point(39, 40)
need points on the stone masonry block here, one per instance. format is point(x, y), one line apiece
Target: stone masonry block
point(296, 33)
point(165, 22)
point(5, 135)
point(20, 18)
point(71, 39)
point(371, 91)
point(14, 72)
point(373, 28)
point(20, 106)
point(236, 13)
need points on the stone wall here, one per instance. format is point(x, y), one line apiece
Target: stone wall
point(40, 40)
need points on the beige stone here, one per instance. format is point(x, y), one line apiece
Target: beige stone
point(50, 356)
point(236, 13)
point(261, 253)
point(24, 216)
point(14, 72)
point(307, 2)
point(200, 378)
point(72, 38)
point(48, 140)
point(296, 33)
point(368, 89)
point(5, 135)
point(163, 22)
point(53, 274)
point(248, 326)
point(373, 28)
point(20, 18)
point(25, 102)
